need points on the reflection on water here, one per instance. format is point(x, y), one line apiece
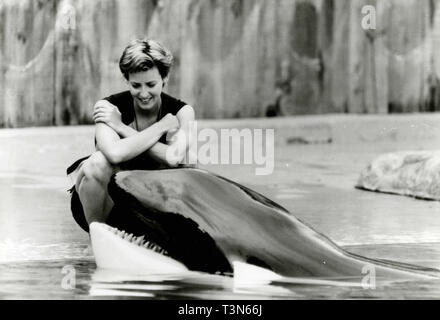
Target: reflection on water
point(46, 280)
point(39, 239)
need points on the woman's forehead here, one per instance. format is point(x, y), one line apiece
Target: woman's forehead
point(145, 76)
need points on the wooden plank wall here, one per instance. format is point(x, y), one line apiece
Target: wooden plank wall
point(233, 58)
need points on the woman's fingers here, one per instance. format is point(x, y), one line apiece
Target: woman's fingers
point(106, 112)
point(106, 108)
point(100, 119)
point(101, 114)
point(102, 109)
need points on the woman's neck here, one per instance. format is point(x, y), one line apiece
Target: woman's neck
point(144, 118)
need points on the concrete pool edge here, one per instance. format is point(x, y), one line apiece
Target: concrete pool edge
point(307, 129)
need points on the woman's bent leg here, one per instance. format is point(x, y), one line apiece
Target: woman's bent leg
point(91, 186)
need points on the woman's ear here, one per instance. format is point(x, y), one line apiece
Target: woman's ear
point(164, 82)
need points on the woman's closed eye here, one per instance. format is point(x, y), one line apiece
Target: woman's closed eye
point(149, 85)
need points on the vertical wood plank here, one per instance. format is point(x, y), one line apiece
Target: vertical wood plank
point(233, 58)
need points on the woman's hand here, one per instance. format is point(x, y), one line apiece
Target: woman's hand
point(170, 123)
point(107, 113)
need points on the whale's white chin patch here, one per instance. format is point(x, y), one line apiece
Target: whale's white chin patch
point(115, 249)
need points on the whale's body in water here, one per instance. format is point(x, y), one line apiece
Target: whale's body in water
point(196, 220)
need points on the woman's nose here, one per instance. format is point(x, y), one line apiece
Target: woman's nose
point(144, 93)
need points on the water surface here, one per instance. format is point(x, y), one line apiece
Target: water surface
point(40, 242)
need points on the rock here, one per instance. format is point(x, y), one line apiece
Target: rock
point(409, 173)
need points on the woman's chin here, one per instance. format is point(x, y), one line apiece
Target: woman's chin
point(146, 106)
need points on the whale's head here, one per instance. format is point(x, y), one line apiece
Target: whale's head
point(204, 221)
point(148, 209)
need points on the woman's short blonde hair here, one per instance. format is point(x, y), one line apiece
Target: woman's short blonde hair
point(144, 54)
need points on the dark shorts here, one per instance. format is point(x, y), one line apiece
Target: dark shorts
point(78, 211)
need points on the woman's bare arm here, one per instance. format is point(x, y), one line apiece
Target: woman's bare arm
point(118, 150)
point(172, 153)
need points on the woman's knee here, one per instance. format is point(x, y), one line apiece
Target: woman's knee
point(97, 167)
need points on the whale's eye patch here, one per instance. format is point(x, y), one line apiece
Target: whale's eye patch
point(257, 262)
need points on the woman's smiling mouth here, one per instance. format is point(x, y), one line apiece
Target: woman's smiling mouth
point(145, 101)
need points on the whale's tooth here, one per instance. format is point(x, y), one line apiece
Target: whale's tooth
point(121, 233)
point(138, 240)
point(129, 237)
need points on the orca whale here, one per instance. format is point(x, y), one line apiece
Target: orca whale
point(173, 220)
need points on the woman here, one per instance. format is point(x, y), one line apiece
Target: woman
point(142, 128)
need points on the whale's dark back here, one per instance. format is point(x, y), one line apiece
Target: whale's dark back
point(207, 219)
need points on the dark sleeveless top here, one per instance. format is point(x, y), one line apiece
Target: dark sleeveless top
point(124, 102)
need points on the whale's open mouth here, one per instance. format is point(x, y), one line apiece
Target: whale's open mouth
point(170, 235)
point(116, 249)
point(138, 241)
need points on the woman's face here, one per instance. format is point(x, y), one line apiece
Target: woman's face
point(145, 88)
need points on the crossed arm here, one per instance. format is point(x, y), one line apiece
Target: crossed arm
point(109, 129)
